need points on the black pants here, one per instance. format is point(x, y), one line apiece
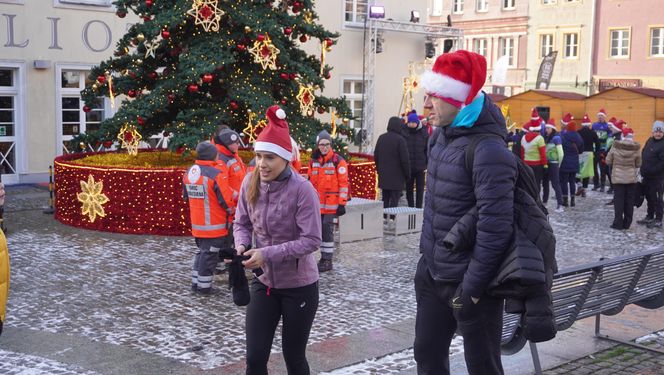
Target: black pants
point(623, 205)
point(600, 167)
point(654, 189)
point(435, 326)
point(552, 175)
point(568, 179)
point(538, 170)
point(297, 307)
point(327, 246)
point(416, 179)
point(391, 198)
point(206, 260)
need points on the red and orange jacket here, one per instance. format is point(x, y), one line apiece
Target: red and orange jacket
point(329, 175)
point(207, 191)
point(232, 165)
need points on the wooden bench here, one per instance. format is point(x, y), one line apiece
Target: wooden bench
point(401, 220)
point(601, 288)
point(362, 221)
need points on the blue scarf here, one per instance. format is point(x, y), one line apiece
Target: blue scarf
point(468, 115)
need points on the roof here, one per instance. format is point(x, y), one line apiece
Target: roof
point(555, 94)
point(657, 93)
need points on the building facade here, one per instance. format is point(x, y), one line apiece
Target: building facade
point(630, 44)
point(563, 27)
point(495, 29)
point(50, 46)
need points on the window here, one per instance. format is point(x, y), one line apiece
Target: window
point(506, 46)
point(546, 44)
point(619, 43)
point(657, 41)
point(72, 119)
point(571, 46)
point(8, 119)
point(352, 91)
point(479, 46)
point(437, 8)
point(548, 2)
point(105, 3)
point(458, 6)
point(508, 4)
point(482, 6)
point(356, 11)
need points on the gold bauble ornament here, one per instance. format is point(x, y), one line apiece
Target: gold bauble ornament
point(247, 29)
point(140, 37)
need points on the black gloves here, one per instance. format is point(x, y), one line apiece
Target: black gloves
point(341, 210)
point(462, 305)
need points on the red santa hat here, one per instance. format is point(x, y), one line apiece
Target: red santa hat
point(456, 77)
point(601, 112)
point(275, 137)
point(617, 126)
point(571, 126)
point(567, 119)
point(535, 125)
point(586, 120)
point(534, 115)
point(612, 121)
point(551, 123)
point(627, 133)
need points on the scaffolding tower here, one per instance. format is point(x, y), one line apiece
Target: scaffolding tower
point(373, 30)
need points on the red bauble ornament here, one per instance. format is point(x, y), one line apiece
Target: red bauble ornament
point(260, 37)
point(153, 75)
point(207, 77)
point(179, 150)
point(192, 88)
point(147, 18)
point(165, 34)
point(148, 3)
point(101, 79)
point(288, 31)
point(241, 47)
point(171, 98)
point(284, 76)
point(292, 76)
point(283, 102)
point(234, 106)
point(329, 42)
point(328, 75)
point(86, 109)
point(303, 38)
point(121, 13)
point(131, 93)
point(141, 120)
point(321, 110)
point(107, 144)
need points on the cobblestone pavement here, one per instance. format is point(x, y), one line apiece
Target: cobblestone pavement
point(133, 291)
point(12, 363)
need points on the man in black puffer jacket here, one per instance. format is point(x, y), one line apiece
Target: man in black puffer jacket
point(451, 286)
point(392, 165)
point(417, 138)
point(652, 171)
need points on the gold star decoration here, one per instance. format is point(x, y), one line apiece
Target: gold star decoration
point(265, 53)
point(306, 97)
point(151, 48)
point(206, 13)
point(250, 130)
point(92, 198)
point(308, 17)
point(129, 138)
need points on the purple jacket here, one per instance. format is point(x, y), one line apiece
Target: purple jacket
point(286, 224)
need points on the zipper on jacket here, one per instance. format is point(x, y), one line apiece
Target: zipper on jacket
point(267, 205)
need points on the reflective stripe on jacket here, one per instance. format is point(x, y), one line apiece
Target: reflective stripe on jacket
point(329, 175)
point(4, 277)
point(207, 191)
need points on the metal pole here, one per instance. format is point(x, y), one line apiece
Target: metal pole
point(50, 209)
point(364, 81)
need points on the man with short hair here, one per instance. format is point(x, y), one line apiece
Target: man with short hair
point(451, 286)
point(652, 171)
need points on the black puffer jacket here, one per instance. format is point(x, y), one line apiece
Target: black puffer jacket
point(590, 139)
point(652, 159)
point(391, 157)
point(416, 139)
point(452, 192)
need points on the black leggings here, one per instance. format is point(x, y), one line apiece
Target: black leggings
point(417, 180)
point(568, 179)
point(297, 307)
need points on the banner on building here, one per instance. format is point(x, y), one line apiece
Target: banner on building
point(546, 71)
point(605, 84)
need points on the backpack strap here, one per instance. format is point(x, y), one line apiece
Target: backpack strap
point(470, 150)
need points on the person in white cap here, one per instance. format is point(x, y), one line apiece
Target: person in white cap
point(652, 171)
point(451, 287)
point(279, 209)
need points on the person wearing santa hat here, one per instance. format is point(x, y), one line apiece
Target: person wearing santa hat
point(602, 129)
point(554, 155)
point(569, 167)
point(533, 150)
point(417, 139)
point(625, 159)
point(328, 173)
point(451, 286)
point(591, 144)
point(280, 210)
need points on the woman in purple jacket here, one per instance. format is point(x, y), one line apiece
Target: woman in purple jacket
point(282, 211)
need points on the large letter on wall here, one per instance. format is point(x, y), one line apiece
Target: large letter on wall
point(10, 33)
point(54, 33)
point(86, 41)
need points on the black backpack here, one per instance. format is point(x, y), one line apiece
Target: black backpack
point(533, 243)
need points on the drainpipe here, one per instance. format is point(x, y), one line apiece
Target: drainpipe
point(592, 47)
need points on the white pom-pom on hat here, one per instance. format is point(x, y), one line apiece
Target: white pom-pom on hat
point(281, 114)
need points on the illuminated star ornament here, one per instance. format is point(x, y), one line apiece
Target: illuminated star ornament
point(251, 130)
point(265, 53)
point(129, 138)
point(151, 48)
point(207, 14)
point(92, 198)
point(306, 99)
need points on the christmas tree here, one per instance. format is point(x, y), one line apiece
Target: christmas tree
point(191, 65)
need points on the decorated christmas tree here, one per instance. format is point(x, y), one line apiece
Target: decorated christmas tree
point(192, 65)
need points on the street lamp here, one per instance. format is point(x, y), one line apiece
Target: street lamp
point(376, 11)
